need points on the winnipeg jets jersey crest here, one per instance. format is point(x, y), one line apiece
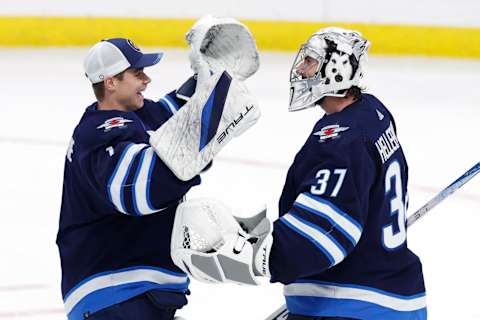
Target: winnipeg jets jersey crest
point(340, 242)
point(116, 122)
point(330, 132)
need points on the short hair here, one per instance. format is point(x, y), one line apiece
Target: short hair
point(99, 88)
point(353, 91)
point(356, 92)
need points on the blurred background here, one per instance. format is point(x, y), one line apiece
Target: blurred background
point(424, 65)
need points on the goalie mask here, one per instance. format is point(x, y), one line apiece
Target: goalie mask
point(209, 244)
point(329, 64)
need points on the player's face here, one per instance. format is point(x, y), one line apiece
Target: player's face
point(308, 67)
point(129, 90)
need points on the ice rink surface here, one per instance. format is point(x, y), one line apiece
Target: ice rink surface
point(436, 103)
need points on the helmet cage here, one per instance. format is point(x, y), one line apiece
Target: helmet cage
point(327, 46)
point(304, 52)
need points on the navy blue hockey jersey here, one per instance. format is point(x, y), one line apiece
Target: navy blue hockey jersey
point(118, 206)
point(340, 244)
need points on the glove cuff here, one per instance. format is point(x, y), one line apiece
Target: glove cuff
point(261, 266)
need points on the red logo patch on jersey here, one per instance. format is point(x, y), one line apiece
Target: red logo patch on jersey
point(116, 122)
point(330, 132)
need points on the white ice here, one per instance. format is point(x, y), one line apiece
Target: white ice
point(436, 104)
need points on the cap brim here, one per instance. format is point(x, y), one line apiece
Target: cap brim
point(147, 60)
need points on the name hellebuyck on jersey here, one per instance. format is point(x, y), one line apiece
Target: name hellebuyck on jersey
point(387, 143)
point(330, 132)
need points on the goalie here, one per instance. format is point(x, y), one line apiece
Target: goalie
point(340, 243)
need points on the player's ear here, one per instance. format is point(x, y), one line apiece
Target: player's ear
point(110, 83)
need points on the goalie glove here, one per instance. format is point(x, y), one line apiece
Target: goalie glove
point(209, 245)
point(224, 44)
point(199, 66)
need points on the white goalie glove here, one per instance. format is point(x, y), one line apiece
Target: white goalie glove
point(210, 245)
point(223, 53)
point(224, 44)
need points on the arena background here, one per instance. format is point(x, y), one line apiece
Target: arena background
point(437, 28)
point(424, 64)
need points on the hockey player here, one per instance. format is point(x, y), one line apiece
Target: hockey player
point(119, 199)
point(132, 160)
point(340, 244)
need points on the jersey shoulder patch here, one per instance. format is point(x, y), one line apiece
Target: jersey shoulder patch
point(332, 131)
point(115, 122)
point(97, 128)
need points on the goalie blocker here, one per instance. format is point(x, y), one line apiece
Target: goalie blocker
point(220, 109)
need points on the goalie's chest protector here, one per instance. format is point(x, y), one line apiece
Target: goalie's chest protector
point(342, 220)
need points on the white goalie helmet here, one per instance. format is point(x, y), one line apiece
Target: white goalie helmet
point(329, 64)
point(209, 245)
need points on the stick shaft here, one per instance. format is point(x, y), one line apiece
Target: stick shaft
point(454, 186)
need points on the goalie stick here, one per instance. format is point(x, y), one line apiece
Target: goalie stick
point(454, 186)
point(282, 312)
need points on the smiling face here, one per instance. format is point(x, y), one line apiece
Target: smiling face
point(126, 93)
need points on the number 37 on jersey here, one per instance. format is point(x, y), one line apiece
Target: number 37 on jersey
point(329, 182)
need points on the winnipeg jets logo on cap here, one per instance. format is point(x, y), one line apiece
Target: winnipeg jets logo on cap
point(116, 122)
point(330, 132)
point(131, 44)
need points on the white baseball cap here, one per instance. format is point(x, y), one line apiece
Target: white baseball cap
point(112, 56)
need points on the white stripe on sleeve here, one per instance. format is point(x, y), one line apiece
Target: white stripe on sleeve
point(117, 181)
point(170, 105)
point(142, 182)
point(345, 223)
point(318, 237)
